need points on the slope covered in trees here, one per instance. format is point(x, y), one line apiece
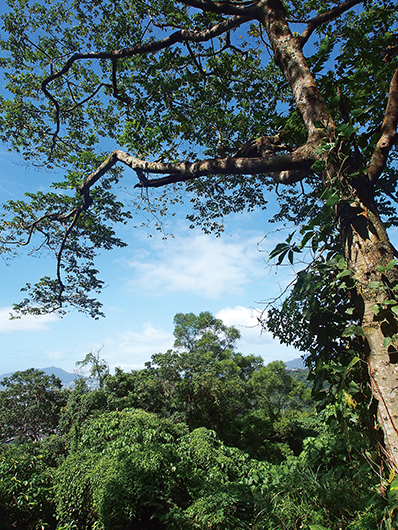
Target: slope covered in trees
point(202, 437)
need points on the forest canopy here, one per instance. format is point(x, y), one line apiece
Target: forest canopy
point(203, 436)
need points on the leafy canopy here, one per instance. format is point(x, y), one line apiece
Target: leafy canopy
point(174, 83)
point(30, 404)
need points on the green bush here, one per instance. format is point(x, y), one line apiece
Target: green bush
point(26, 487)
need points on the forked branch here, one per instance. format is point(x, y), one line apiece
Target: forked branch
point(389, 136)
point(297, 163)
point(322, 18)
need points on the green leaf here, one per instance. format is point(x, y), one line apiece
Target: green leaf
point(375, 308)
point(352, 363)
point(306, 238)
point(314, 243)
point(280, 247)
point(347, 130)
point(318, 166)
point(360, 111)
point(391, 264)
point(358, 331)
point(353, 330)
point(349, 331)
point(334, 102)
point(387, 341)
point(393, 493)
point(333, 199)
point(290, 236)
point(281, 256)
point(346, 272)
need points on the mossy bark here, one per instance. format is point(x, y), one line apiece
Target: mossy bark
point(367, 251)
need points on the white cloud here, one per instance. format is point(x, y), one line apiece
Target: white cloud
point(246, 320)
point(131, 349)
point(26, 323)
point(201, 265)
point(253, 339)
point(58, 355)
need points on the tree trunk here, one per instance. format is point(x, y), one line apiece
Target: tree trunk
point(367, 247)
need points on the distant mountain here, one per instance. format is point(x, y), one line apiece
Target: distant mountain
point(66, 377)
point(295, 364)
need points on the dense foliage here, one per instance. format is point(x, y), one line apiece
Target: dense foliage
point(163, 448)
point(30, 405)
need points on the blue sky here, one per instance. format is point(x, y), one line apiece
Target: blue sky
point(147, 284)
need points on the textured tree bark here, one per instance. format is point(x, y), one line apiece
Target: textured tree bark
point(365, 241)
point(367, 246)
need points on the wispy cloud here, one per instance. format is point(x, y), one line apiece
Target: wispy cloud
point(198, 264)
point(131, 349)
point(26, 323)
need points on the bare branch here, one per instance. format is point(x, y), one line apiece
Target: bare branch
point(60, 252)
point(90, 96)
point(115, 91)
point(286, 168)
point(247, 9)
point(389, 136)
point(196, 61)
point(35, 225)
point(325, 17)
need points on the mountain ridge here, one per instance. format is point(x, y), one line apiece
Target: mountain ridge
point(68, 378)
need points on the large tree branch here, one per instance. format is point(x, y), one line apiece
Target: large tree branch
point(247, 9)
point(326, 17)
point(290, 59)
point(389, 136)
point(286, 168)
